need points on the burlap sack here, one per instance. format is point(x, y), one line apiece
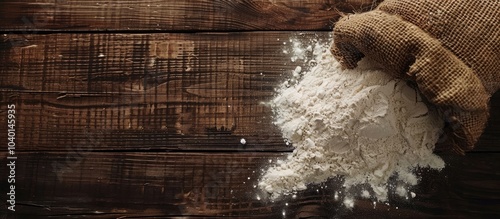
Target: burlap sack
point(450, 48)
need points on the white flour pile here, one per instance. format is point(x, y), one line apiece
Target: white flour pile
point(360, 124)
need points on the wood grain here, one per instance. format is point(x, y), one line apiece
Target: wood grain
point(174, 15)
point(147, 91)
point(154, 91)
point(114, 185)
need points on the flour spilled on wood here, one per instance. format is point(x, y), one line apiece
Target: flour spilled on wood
point(361, 125)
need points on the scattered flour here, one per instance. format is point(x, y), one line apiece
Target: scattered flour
point(349, 202)
point(365, 194)
point(401, 191)
point(362, 125)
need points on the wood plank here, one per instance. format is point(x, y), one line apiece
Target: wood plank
point(207, 65)
point(154, 91)
point(172, 15)
point(146, 91)
point(113, 185)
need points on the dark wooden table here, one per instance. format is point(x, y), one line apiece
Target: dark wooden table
point(134, 109)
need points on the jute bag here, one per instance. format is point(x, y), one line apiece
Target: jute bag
point(450, 48)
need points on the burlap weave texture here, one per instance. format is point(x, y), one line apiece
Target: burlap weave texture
point(450, 48)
